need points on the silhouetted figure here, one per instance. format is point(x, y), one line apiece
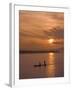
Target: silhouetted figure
point(44, 63)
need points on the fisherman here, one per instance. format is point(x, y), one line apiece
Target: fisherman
point(44, 63)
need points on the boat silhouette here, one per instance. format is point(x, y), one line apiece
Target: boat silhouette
point(38, 65)
point(41, 65)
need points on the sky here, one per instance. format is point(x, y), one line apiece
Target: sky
point(39, 30)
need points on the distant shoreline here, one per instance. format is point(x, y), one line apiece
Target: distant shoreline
point(54, 51)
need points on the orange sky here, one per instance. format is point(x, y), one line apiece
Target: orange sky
point(36, 28)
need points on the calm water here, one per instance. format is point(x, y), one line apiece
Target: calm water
point(54, 68)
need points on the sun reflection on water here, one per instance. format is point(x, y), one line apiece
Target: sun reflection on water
point(51, 64)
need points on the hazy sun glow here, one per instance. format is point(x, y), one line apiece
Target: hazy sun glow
point(51, 40)
point(51, 54)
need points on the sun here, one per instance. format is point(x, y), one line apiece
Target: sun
point(51, 40)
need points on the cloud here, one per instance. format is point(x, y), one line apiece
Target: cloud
point(55, 33)
point(44, 34)
point(41, 26)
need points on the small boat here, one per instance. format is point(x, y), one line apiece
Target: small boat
point(40, 65)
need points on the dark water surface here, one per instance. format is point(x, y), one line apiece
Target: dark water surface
point(54, 65)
